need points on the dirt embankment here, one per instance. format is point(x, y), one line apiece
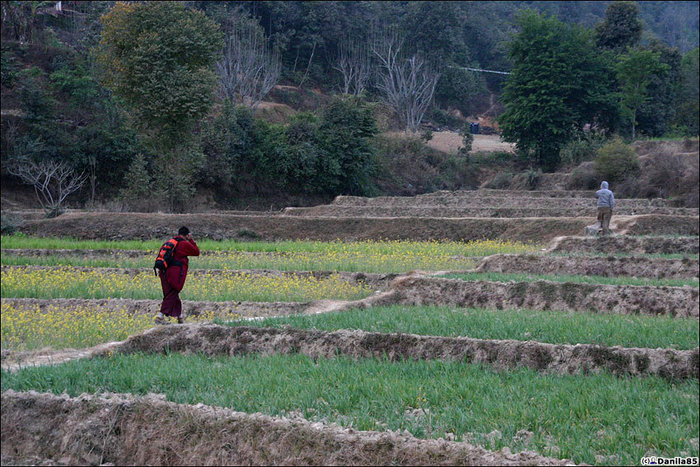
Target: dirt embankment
point(489, 201)
point(468, 211)
point(123, 429)
point(546, 295)
point(627, 244)
point(121, 226)
point(501, 354)
point(611, 266)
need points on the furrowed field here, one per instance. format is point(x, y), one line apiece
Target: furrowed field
point(519, 348)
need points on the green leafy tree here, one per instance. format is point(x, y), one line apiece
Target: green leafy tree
point(657, 114)
point(688, 110)
point(159, 57)
point(347, 128)
point(635, 71)
point(136, 187)
point(621, 27)
point(559, 83)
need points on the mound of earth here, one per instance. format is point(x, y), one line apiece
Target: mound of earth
point(501, 354)
point(469, 211)
point(610, 266)
point(627, 244)
point(122, 429)
point(546, 295)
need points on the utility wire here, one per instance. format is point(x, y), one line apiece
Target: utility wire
point(479, 69)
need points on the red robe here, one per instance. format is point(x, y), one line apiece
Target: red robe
point(174, 278)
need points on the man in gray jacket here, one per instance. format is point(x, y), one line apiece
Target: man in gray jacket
point(606, 204)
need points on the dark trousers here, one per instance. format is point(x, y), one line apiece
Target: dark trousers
point(604, 216)
point(171, 306)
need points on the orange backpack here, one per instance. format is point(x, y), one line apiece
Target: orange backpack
point(165, 257)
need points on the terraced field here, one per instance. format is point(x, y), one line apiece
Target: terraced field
point(413, 351)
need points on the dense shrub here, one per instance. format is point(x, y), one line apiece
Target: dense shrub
point(581, 150)
point(616, 161)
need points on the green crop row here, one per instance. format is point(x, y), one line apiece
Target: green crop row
point(542, 326)
point(571, 416)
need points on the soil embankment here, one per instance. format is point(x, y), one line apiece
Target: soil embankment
point(627, 244)
point(501, 354)
point(122, 226)
point(480, 201)
point(611, 266)
point(143, 226)
point(546, 295)
point(123, 429)
point(469, 211)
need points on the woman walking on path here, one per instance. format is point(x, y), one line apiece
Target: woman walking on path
point(173, 278)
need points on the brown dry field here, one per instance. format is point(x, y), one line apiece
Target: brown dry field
point(451, 141)
point(144, 226)
point(475, 199)
point(470, 211)
point(123, 429)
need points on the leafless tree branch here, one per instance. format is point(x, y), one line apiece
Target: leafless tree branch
point(52, 181)
point(248, 69)
point(407, 85)
point(353, 62)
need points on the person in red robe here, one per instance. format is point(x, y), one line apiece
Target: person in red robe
point(173, 279)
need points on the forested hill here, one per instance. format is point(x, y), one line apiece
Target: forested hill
point(160, 101)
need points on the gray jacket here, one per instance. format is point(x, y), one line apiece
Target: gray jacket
point(606, 199)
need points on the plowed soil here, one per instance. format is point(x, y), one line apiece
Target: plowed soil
point(502, 354)
point(611, 266)
point(546, 295)
point(627, 244)
point(468, 211)
point(122, 429)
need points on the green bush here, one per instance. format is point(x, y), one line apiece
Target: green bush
point(9, 223)
point(616, 161)
point(581, 150)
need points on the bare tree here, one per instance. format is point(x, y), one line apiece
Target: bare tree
point(406, 84)
point(52, 181)
point(248, 69)
point(353, 62)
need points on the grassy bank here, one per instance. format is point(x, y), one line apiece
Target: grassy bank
point(542, 326)
point(576, 417)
